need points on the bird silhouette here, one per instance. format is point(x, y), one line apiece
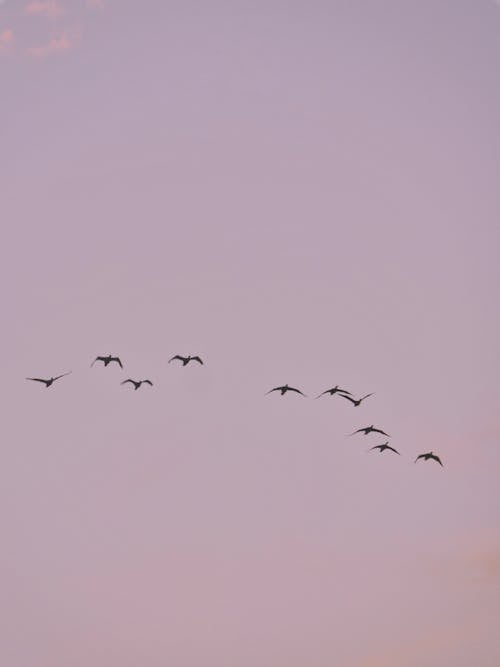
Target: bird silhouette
point(355, 402)
point(137, 383)
point(429, 455)
point(186, 360)
point(369, 429)
point(383, 447)
point(107, 360)
point(284, 389)
point(49, 382)
point(334, 390)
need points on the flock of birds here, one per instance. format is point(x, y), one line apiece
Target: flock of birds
point(283, 389)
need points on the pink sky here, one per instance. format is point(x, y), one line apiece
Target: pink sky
point(299, 192)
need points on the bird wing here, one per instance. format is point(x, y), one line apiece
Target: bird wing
point(377, 430)
point(198, 359)
point(343, 391)
point(360, 430)
point(177, 356)
point(118, 361)
point(392, 449)
point(297, 390)
point(275, 389)
point(38, 380)
point(376, 447)
point(125, 381)
point(422, 456)
point(362, 399)
point(324, 392)
point(96, 359)
point(436, 458)
point(61, 376)
point(148, 382)
point(348, 398)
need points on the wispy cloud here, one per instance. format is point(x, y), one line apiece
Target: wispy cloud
point(50, 8)
point(55, 45)
point(477, 564)
point(486, 565)
point(6, 40)
point(442, 641)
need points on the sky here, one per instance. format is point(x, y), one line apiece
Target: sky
point(299, 192)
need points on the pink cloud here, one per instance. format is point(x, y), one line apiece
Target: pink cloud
point(473, 565)
point(6, 40)
point(49, 8)
point(442, 641)
point(56, 45)
point(486, 564)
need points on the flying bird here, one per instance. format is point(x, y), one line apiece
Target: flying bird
point(429, 455)
point(186, 360)
point(334, 390)
point(107, 360)
point(354, 401)
point(284, 389)
point(383, 447)
point(370, 429)
point(137, 383)
point(47, 383)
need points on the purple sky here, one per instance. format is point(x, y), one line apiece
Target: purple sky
point(301, 192)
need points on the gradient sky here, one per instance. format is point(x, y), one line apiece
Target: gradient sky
point(301, 192)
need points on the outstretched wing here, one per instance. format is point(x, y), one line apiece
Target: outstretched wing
point(348, 398)
point(38, 380)
point(275, 389)
point(198, 359)
point(422, 456)
point(147, 382)
point(177, 356)
point(362, 399)
point(97, 359)
point(118, 361)
point(377, 430)
point(61, 376)
point(360, 430)
point(129, 380)
point(327, 391)
point(392, 449)
point(436, 458)
point(296, 390)
point(344, 391)
point(377, 447)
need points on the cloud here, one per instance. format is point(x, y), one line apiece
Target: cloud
point(449, 637)
point(56, 45)
point(486, 565)
point(50, 8)
point(6, 40)
point(472, 565)
point(99, 4)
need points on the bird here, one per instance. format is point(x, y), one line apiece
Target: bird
point(429, 455)
point(107, 360)
point(383, 447)
point(334, 390)
point(137, 383)
point(284, 389)
point(49, 382)
point(186, 360)
point(370, 429)
point(354, 401)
